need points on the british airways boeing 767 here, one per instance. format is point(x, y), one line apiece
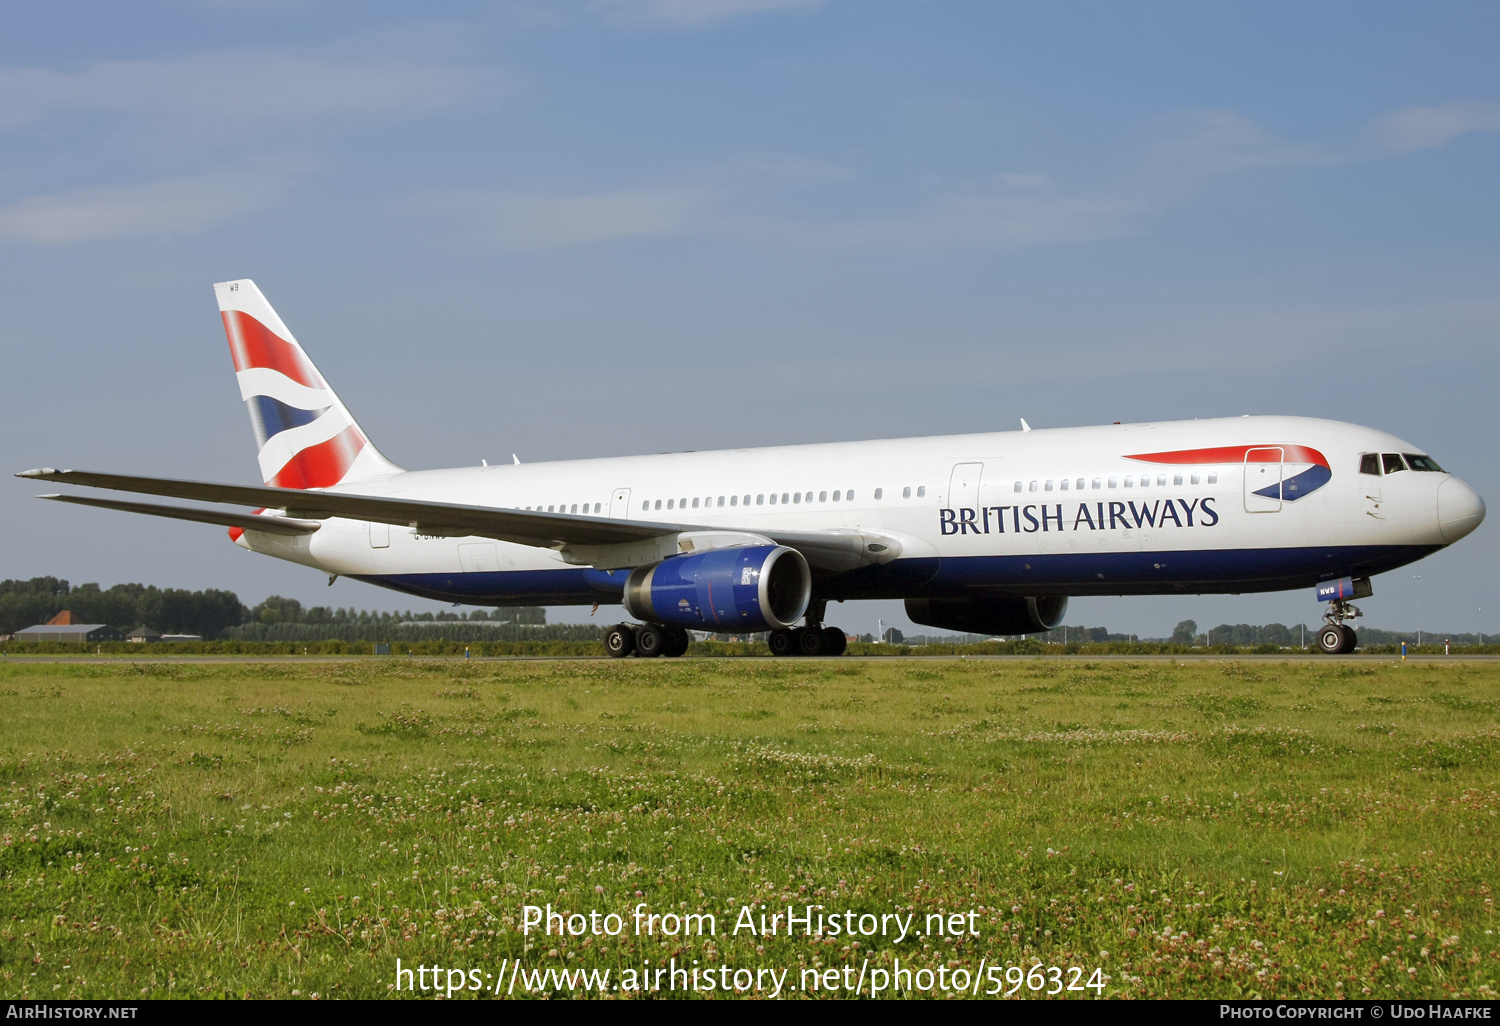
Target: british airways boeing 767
point(985, 533)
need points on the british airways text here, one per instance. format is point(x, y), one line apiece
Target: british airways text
point(1097, 516)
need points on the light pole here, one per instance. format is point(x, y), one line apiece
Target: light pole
point(1418, 579)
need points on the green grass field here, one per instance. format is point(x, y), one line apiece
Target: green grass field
point(1307, 828)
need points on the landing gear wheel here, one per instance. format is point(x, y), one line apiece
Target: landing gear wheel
point(808, 641)
point(834, 641)
point(1351, 638)
point(1331, 639)
point(619, 641)
point(780, 642)
point(676, 642)
point(650, 640)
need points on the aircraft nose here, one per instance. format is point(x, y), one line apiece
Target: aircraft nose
point(1460, 509)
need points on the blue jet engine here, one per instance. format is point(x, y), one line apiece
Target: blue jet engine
point(757, 588)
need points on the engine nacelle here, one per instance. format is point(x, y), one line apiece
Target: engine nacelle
point(757, 588)
point(995, 615)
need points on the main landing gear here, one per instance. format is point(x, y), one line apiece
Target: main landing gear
point(1336, 637)
point(812, 640)
point(646, 640)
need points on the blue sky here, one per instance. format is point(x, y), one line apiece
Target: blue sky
point(595, 227)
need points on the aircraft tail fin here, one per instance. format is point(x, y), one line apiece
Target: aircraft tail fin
point(305, 436)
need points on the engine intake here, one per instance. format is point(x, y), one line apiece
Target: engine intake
point(997, 615)
point(757, 588)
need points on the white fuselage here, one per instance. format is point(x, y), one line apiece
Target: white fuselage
point(1064, 511)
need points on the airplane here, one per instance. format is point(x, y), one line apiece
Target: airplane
point(982, 533)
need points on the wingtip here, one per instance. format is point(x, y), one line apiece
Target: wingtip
point(40, 472)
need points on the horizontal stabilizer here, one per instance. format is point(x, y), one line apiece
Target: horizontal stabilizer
point(248, 521)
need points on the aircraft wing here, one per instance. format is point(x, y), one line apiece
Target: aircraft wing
point(524, 527)
point(585, 540)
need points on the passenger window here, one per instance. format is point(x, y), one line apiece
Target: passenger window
point(1213, 478)
point(906, 492)
point(1114, 482)
point(796, 496)
point(695, 503)
point(1096, 483)
point(734, 500)
point(549, 509)
point(1423, 463)
point(682, 504)
point(1177, 479)
point(1194, 479)
point(1063, 484)
point(1145, 480)
point(721, 500)
point(596, 507)
point(669, 504)
point(783, 498)
point(921, 491)
point(646, 505)
point(1161, 480)
point(1031, 487)
point(1048, 486)
point(823, 496)
point(658, 504)
point(1018, 486)
point(849, 495)
point(1079, 484)
point(1128, 479)
point(835, 495)
point(773, 498)
point(747, 500)
point(574, 509)
point(878, 493)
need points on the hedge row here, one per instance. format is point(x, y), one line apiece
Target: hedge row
point(1023, 646)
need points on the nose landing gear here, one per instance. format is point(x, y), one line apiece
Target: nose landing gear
point(1337, 637)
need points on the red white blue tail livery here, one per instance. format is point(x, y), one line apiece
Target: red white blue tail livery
point(306, 438)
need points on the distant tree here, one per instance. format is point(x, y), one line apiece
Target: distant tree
point(24, 603)
point(1185, 632)
point(276, 609)
point(527, 614)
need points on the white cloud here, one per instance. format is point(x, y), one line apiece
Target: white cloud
point(692, 13)
point(1426, 128)
point(160, 209)
point(232, 89)
point(516, 221)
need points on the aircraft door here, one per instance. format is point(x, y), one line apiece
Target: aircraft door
point(963, 491)
point(1263, 480)
point(619, 504)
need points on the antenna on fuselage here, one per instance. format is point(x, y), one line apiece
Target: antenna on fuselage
point(1025, 427)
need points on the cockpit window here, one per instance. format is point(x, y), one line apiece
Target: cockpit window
point(1423, 463)
point(1369, 463)
point(1392, 461)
